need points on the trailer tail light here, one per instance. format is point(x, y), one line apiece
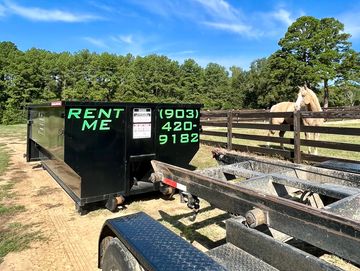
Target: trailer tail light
point(174, 184)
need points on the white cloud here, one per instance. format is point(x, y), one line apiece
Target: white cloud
point(134, 44)
point(47, 15)
point(283, 16)
point(352, 23)
point(97, 42)
point(220, 9)
point(231, 27)
point(2, 11)
point(102, 6)
point(222, 16)
point(160, 7)
point(127, 39)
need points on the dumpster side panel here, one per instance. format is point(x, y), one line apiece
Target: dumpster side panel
point(95, 147)
point(47, 129)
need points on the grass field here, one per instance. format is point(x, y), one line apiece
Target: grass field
point(17, 131)
point(14, 236)
point(4, 159)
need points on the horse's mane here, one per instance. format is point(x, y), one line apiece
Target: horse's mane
point(315, 98)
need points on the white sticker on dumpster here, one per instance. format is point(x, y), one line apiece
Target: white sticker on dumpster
point(141, 130)
point(141, 115)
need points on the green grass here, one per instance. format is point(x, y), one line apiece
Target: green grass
point(18, 131)
point(203, 158)
point(16, 237)
point(10, 210)
point(352, 155)
point(5, 190)
point(13, 236)
point(4, 159)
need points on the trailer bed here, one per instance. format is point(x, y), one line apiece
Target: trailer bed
point(317, 205)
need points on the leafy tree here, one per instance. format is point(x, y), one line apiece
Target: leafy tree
point(215, 86)
point(264, 87)
point(80, 77)
point(312, 51)
point(125, 74)
point(191, 80)
point(104, 79)
point(8, 53)
point(238, 88)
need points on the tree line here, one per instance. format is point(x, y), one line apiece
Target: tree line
point(315, 52)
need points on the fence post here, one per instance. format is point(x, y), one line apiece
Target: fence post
point(229, 129)
point(297, 129)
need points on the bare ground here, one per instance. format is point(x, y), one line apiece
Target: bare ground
point(69, 241)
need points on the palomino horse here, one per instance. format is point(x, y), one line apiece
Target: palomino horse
point(281, 107)
point(306, 99)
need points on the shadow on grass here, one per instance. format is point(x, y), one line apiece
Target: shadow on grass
point(189, 231)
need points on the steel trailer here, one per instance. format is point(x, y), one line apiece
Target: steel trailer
point(101, 151)
point(273, 202)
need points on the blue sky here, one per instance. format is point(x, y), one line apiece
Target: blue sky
point(222, 31)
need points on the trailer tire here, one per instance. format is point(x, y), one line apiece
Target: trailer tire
point(118, 257)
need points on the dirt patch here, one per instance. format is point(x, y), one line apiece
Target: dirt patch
point(69, 241)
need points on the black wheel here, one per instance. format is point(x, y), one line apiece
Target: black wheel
point(81, 209)
point(111, 204)
point(118, 258)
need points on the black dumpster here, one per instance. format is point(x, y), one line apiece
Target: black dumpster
point(101, 151)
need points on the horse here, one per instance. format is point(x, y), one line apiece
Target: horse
point(281, 107)
point(306, 99)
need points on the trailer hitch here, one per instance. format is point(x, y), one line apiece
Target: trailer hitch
point(192, 202)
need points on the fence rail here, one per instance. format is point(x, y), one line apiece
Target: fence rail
point(230, 126)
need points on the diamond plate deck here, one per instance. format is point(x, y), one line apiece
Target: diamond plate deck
point(235, 259)
point(157, 248)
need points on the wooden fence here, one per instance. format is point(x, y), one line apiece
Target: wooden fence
point(230, 125)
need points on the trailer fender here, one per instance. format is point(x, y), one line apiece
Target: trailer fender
point(125, 244)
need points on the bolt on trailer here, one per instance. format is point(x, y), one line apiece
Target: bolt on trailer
point(272, 202)
point(101, 151)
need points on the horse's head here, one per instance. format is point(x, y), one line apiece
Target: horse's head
point(303, 99)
